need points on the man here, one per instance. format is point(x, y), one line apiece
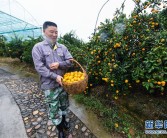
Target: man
point(51, 60)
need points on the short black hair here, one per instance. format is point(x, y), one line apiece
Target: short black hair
point(48, 23)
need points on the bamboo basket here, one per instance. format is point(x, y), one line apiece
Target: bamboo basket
point(76, 87)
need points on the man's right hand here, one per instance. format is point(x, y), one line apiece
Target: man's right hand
point(54, 65)
point(59, 80)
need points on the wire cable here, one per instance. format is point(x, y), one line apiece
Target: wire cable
point(27, 12)
point(98, 15)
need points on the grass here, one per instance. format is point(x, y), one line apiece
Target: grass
point(8, 60)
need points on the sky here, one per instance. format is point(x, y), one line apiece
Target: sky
point(78, 16)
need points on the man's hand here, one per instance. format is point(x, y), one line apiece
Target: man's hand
point(71, 59)
point(54, 65)
point(59, 80)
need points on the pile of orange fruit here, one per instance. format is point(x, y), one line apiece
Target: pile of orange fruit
point(75, 76)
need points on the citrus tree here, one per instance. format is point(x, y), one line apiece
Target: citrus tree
point(76, 47)
point(2, 46)
point(15, 48)
point(130, 52)
point(28, 44)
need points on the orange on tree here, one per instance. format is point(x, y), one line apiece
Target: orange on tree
point(159, 83)
point(163, 83)
point(126, 81)
point(137, 81)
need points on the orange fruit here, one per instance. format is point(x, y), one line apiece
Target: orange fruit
point(162, 40)
point(159, 83)
point(116, 125)
point(126, 81)
point(137, 81)
point(163, 83)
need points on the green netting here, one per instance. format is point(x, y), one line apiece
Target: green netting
point(11, 26)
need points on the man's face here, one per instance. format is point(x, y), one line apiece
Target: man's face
point(51, 32)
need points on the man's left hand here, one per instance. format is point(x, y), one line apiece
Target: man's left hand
point(54, 65)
